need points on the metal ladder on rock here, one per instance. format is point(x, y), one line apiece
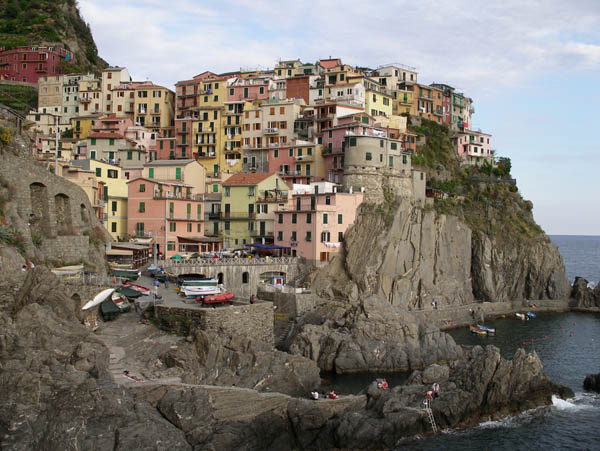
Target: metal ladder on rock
point(427, 404)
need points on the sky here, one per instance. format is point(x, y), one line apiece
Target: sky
point(532, 68)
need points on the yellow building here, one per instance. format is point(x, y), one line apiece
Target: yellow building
point(154, 106)
point(82, 125)
point(241, 194)
point(288, 69)
point(403, 102)
point(115, 195)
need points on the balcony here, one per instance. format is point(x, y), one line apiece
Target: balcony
point(270, 130)
point(304, 158)
point(233, 215)
point(210, 130)
point(41, 69)
point(214, 216)
point(290, 173)
point(274, 196)
point(206, 155)
point(182, 132)
point(259, 234)
point(142, 234)
point(158, 194)
point(84, 100)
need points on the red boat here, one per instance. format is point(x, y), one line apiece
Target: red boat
point(138, 288)
point(220, 298)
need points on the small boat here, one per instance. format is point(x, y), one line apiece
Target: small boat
point(99, 298)
point(67, 270)
point(193, 288)
point(489, 330)
point(130, 274)
point(477, 330)
point(139, 288)
point(216, 298)
point(121, 302)
point(530, 315)
point(522, 316)
point(109, 310)
point(129, 293)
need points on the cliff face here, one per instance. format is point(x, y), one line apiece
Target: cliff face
point(412, 256)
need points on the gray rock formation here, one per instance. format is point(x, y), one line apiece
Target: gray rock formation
point(583, 296)
point(411, 256)
point(370, 336)
point(223, 360)
point(592, 382)
point(55, 390)
point(512, 271)
point(481, 385)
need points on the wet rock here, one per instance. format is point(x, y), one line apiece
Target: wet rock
point(592, 382)
point(584, 296)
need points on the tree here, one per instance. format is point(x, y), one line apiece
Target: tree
point(505, 164)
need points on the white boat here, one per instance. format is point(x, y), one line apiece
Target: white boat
point(68, 270)
point(98, 299)
point(521, 316)
point(193, 288)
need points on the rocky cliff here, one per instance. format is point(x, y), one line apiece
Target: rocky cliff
point(411, 256)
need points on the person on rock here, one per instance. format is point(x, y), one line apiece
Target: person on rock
point(332, 395)
point(384, 385)
point(436, 388)
point(314, 395)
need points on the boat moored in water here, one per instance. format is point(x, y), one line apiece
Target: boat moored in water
point(476, 330)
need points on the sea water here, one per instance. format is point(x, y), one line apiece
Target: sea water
point(569, 346)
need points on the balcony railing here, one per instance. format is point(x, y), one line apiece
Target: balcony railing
point(140, 234)
point(169, 195)
point(214, 216)
point(290, 173)
point(270, 130)
point(237, 215)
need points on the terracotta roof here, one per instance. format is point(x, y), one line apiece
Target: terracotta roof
point(330, 63)
point(244, 178)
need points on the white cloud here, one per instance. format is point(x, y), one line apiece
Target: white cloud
point(500, 42)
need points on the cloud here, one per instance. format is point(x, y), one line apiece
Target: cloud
point(497, 43)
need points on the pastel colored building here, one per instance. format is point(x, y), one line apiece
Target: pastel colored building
point(242, 193)
point(154, 106)
point(189, 172)
point(334, 142)
point(28, 64)
point(170, 214)
point(115, 193)
point(82, 125)
point(314, 222)
point(288, 69)
point(247, 89)
point(112, 78)
point(301, 162)
point(473, 148)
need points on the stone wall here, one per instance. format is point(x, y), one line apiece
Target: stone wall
point(253, 321)
point(288, 307)
point(51, 213)
point(239, 276)
point(376, 180)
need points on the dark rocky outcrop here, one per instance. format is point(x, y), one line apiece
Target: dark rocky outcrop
point(54, 385)
point(476, 387)
point(224, 360)
point(592, 382)
point(583, 296)
point(370, 336)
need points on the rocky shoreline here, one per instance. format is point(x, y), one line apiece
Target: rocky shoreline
point(60, 384)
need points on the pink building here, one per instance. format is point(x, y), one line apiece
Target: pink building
point(473, 147)
point(112, 124)
point(247, 89)
point(313, 225)
point(360, 124)
point(170, 214)
point(30, 63)
point(288, 161)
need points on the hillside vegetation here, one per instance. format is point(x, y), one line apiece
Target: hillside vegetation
point(32, 22)
point(486, 198)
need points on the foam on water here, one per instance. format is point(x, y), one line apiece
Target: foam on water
point(580, 402)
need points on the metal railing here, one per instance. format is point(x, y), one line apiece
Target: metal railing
point(230, 261)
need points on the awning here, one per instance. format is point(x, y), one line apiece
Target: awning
point(199, 239)
point(118, 252)
point(266, 246)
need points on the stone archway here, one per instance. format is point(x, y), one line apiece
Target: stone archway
point(64, 220)
point(39, 220)
point(85, 215)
